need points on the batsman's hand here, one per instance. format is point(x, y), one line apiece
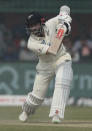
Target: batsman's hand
point(63, 25)
point(64, 14)
point(64, 18)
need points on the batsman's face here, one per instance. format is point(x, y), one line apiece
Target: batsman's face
point(35, 27)
point(36, 30)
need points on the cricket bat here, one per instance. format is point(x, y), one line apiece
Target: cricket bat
point(57, 41)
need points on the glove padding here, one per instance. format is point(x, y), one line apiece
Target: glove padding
point(64, 17)
point(66, 20)
point(67, 25)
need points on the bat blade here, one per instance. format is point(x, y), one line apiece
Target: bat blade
point(57, 40)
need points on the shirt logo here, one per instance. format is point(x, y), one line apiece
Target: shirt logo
point(43, 42)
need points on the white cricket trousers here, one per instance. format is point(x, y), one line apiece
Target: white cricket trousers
point(63, 77)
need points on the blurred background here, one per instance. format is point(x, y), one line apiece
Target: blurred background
point(17, 63)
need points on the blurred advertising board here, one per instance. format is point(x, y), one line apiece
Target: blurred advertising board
point(17, 78)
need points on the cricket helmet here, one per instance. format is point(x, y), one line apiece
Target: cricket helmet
point(33, 19)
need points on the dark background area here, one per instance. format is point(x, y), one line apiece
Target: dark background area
point(13, 36)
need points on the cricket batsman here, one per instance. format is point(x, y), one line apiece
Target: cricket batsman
point(54, 61)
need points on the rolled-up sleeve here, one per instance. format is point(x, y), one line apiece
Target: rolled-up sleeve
point(37, 46)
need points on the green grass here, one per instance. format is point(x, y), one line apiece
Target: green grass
point(41, 128)
point(76, 119)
